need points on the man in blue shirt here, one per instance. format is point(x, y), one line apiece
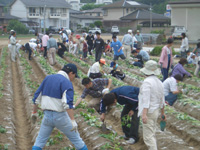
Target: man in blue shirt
point(55, 96)
point(128, 96)
point(144, 54)
point(117, 46)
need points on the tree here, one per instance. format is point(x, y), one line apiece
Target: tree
point(91, 6)
point(98, 24)
point(19, 27)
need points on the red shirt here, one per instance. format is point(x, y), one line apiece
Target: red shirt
point(85, 48)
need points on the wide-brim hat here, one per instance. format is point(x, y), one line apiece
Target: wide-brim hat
point(151, 68)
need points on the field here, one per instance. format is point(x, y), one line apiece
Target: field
point(19, 81)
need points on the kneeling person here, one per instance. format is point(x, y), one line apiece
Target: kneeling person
point(128, 96)
point(170, 89)
point(116, 72)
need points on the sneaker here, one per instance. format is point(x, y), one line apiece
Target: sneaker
point(131, 141)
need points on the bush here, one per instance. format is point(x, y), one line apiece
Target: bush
point(158, 31)
point(19, 27)
point(158, 49)
point(98, 24)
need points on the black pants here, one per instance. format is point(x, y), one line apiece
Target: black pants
point(131, 132)
point(95, 75)
point(28, 48)
point(90, 48)
point(45, 51)
point(98, 55)
point(61, 52)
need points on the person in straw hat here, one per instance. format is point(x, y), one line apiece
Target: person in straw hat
point(151, 99)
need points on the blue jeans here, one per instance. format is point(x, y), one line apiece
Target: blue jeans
point(139, 64)
point(62, 122)
point(165, 71)
point(171, 98)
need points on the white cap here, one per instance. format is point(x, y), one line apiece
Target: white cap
point(81, 39)
point(129, 31)
point(138, 30)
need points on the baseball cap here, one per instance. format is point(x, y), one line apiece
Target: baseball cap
point(112, 64)
point(71, 67)
point(129, 31)
point(78, 36)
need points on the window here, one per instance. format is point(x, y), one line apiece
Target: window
point(53, 10)
point(90, 14)
point(127, 10)
point(64, 24)
point(41, 10)
point(64, 11)
point(105, 12)
point(98, 14)
point(31, 10)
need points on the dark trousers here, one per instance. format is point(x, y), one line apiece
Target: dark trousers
point(98, 55)
point(95, 75)
point(183, 54)
point(61, 52)
point(165, 71)
point(122, 56)
point(139, 64)
point(45, 51)
point(131, 132)
point(28, 48)
point(90, 49)
point(171, 98)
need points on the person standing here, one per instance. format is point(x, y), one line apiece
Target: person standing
point(140, 40)
point(85, 49)
point(197, 50)
point(184, 45)
point(117, 46)
point(56, 96)
point(98, 46)
point(90, 41)
point(45, 38)
point(127, 44)
point(52, 47)
point(13, 47)
point(151, 99)
point(96, 88)
point(166, 59)
point(128, 96)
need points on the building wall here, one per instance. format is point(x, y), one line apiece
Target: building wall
point(113, 14)
point(18, 9)
point(188, 16)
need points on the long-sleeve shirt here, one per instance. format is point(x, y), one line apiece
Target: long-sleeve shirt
point(164, 57)
point(55, 93)
point(151, 95)
point(97, 88)
point(99, 45)
point(184, 45)
point(45, 38)
point(139, 38)
point(144, 54)
point(117, 46)
point(126, 95)
point(12, 40)
point(127, 39)
point(178, 69)
point(52, 44)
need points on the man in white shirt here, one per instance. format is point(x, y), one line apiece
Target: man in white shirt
point(170, 89)
point(95, 70)
point(191, 58)
point(184, 45)
point(151, 99)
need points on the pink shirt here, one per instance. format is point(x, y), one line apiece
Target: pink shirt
point(164, 57)
point(45, 38)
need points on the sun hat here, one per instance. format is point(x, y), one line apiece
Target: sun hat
point(151, 68)
point(129, 31)
point(78, 36)
point(102, 61)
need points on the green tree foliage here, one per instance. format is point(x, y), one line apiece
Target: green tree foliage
point(19, 27)
point(98, 23)
point(158, 49)
point(91, 6)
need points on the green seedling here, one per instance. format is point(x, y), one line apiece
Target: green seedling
point(2, 129)
point(126, 121)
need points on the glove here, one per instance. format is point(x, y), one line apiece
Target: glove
point(106, 90)
point(74, 126)
point(34, 117)
point(74, 106)
point(105, 74)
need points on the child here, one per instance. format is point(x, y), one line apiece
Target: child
point(85, 48)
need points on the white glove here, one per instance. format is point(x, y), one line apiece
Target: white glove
point(34, 118)
point(105, 74)
point(184, 91)
point(74, 106)
point(74, 126)
point(106, 90)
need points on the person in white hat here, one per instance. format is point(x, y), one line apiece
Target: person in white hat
point(139, 38)
point(127, 43)
point(151, 99)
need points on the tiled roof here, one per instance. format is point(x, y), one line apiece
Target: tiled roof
point(143, 15)
point(186, 2)
point(85, 17)
point(96, 10)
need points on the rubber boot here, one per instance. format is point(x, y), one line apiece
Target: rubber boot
point(84, 148)
point(36, 148)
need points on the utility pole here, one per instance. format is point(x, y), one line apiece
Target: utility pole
point(44, 16)
point(150, 17)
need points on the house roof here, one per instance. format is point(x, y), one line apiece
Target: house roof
point(126, 4)
point(186, 2)
point(72, 11)
point(85, 17)
point(8, 16)
point(144, 15)
point(96, 10)
point(48, 3)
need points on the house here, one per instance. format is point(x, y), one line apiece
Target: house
point(104, 2)
point(75, 4)
point(97, 12)
point(131, 14)
point(51, 12)
point(5, 16)
point(186, 13)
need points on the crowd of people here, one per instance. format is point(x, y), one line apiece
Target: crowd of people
point(144, 101)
